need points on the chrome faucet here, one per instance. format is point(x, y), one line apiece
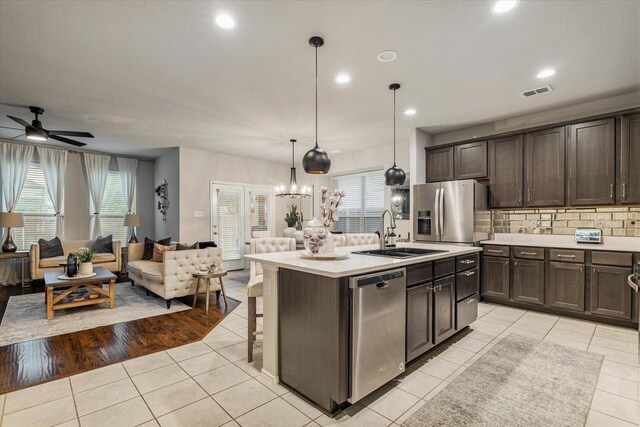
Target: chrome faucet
point(392, 225)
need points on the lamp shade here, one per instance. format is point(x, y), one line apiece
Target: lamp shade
point(131, 220)
point(11, 219)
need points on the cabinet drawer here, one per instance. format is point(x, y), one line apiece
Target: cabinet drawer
point(466, 311)
point(566, 255)
point(623, 259)
point(466, 283)
point(419, 273)
point(466, 262)
point(444, 267)
point(528, 253)
point(494, 250)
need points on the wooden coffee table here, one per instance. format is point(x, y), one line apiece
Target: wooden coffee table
point(95, 283)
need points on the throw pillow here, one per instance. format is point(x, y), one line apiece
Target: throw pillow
point(159, 250)
point(103, 245)
point(181, 247)
point(148, 246)
point(50, 248)
point(211, 244)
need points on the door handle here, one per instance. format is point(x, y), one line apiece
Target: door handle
point(382, 285)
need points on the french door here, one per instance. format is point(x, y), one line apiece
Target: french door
point(227, 225)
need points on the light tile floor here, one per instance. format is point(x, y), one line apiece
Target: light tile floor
point(210, 382)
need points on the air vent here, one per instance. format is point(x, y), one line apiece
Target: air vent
point(536, 91)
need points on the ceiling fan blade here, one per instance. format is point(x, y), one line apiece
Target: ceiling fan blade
point(18, 136)
point(19, 120)
point(67, 140)
point(7, 127)
point(70, 133)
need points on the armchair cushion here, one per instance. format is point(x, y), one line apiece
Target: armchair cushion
point(53, 261)
point(103, 244)
point(50, 248)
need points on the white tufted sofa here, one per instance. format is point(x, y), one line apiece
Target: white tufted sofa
point(339, 240)
point(171, 278)
point(357, 239)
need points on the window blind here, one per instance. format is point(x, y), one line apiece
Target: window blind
point(259, 211)
point(34, 203)
point(113, 208)
point(229, 224)
point(363, 203)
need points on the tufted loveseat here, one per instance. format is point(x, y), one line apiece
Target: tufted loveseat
point(171, 278)
point(357, 239)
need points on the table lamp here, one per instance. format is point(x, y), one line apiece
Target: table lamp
point(8, 220)
point(132, 220)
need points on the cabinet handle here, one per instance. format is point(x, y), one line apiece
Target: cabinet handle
point(528, 253)
point(528, 194)
point(515, 263)
point(495, 251)
point(566, 256)
point(520, 195)
point(467, 261)
point(581, 269)
point(469, 273)
point(611, 192)
point(506, 263)
point(469, 301)
point(624, 190)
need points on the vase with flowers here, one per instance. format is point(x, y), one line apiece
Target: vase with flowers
point(329, 212)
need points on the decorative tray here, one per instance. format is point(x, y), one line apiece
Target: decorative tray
point(324, 257)
point(79, 276)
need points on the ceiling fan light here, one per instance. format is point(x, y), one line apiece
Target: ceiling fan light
point(316, 161)
point(394, 176)
point(36, 134)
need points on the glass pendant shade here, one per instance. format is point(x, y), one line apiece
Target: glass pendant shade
point(394, 176)
point(293, 192)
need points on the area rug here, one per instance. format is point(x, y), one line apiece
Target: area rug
point(519, 382)
point(25, 318)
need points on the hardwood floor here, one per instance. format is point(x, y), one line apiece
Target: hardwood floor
point(46, 359)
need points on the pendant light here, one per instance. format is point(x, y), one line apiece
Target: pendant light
point(293, 192)
point(394, 176)
point(316, 160)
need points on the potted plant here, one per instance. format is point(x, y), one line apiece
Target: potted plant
point(291, 218)
point(85, 259)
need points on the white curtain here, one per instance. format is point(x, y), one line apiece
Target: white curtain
point(54, 166)
point(97, 169)
point(127, 168)
point(14, 165)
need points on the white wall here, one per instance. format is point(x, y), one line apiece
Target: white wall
point(167, 167)
point(542, 118)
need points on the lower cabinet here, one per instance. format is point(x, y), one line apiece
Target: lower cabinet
point(495, 277)
point(419, 320)
point(444, 304)
point(528, 281)
point(565, 286)
point(610, 294)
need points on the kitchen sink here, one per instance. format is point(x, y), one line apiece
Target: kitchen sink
point(400, 252)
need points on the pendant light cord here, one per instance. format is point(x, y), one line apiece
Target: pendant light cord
point(316, 96)
point(394, 127)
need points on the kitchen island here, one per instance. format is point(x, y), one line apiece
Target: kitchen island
point(308, 323)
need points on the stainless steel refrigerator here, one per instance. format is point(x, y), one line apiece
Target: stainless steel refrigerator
point(451, 212)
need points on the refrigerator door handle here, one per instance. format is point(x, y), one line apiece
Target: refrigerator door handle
point(441, 211)
point(436, 216)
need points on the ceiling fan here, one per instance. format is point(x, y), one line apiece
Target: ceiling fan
point(36, 132)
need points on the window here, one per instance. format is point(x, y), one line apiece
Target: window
point(113, 208)
point(35, 205)
point(258, 211)
point(363, 203)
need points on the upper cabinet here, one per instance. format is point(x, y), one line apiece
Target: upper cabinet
point(544, 167)
point(439, 164)
point(471, 160)
point(629, 165)
point(505, 172)
point(592, 163)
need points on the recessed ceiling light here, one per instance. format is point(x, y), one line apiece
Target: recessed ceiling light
point(547, 72)
point(504, 6)
point(409, 112)
point(225, 21)
point(387, 56)
point(343, 78)
point(336, 151)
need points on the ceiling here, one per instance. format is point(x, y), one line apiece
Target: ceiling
point(146, 75)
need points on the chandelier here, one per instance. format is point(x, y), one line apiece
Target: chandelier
point(293, 191)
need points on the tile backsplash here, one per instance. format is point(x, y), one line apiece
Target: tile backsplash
point(614, 221)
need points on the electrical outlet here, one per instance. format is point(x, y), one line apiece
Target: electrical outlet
point(198, 214)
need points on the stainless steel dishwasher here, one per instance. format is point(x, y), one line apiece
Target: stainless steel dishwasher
point(378, 323)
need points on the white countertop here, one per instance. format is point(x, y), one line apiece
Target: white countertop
point(610, 243)
point(356, 263)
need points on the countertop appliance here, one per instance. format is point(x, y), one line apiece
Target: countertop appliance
point(450, 211)
point(378, 317)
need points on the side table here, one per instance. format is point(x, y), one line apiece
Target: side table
point(208, 281)
point(22, 256)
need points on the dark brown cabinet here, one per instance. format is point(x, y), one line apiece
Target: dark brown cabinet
point(495, 277)
point(565, 286)
point(419, 320)
point(629, 159)
point(592, 163)
point(444, 308)
point(544, 154)
point(610, 294)
point(471, 160)
point(439, 164)
point(505, 172)
point(528, 281)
